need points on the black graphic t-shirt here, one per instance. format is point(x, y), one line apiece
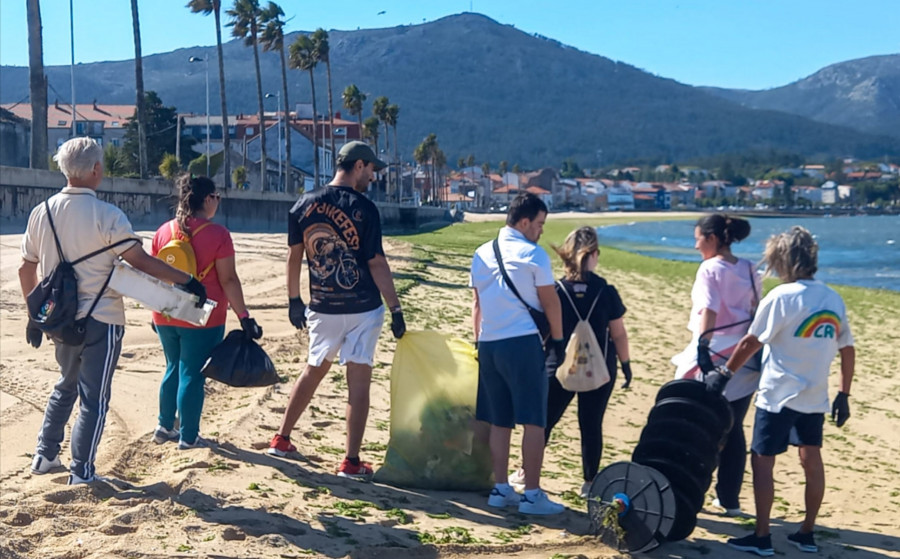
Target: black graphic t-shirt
point(341, 231)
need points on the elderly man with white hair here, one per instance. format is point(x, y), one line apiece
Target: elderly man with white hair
point(73, 223)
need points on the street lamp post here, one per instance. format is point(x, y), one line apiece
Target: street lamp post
point(206, 60)
point(277, 97)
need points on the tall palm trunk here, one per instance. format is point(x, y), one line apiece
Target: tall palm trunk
point(286, 121)
point(139, 91)
point(398, 176)
point(226, 140)
point(312, 88)
point(331, 116)
point(263, 162)
point(37, 87)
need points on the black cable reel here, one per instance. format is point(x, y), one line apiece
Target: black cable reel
point(655, 498)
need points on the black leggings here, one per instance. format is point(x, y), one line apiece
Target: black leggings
point(733, 458)
point(591, 407)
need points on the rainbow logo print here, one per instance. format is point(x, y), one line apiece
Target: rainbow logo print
point(823, 324)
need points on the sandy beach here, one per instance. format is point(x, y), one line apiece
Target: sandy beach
point(236, 501)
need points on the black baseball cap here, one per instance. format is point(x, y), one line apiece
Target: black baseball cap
point(352, 151)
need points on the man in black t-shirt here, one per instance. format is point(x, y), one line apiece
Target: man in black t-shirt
point(339, 229)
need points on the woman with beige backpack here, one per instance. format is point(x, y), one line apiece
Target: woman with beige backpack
point(593, 335)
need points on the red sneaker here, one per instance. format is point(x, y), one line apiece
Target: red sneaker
point(363, 472)
point(281, 446)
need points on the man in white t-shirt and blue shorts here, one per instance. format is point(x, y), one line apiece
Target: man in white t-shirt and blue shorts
point(512, 379)
point(803, 324)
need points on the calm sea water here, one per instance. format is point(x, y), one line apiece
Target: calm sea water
point(857, 250)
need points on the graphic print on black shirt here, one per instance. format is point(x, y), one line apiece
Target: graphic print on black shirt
point(341, 231)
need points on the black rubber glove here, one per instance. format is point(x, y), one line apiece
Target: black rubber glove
point(398, 325)
point(716, 380)
point(840, 409)
point(626, 372)
point(153, 327)
point(704, 360)
point(196, 288)
point(34, 335)
point(297, 312)
point(555, 353)
point(251, 328)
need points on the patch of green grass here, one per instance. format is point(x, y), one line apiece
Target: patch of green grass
point(219, 466)
point(374, 447)
point(573, 499)
point(438, 515)
point(401, 515)
point(451, 534)
point(184, 547)
point(355, 510)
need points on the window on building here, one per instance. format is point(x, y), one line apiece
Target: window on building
point(116, 142)
point(248, 131)
point(115, 123)
point(60, 122)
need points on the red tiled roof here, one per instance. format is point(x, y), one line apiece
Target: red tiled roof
point(60, 116)
point(537, 190)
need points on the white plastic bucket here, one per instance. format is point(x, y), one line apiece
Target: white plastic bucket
point(158, 295)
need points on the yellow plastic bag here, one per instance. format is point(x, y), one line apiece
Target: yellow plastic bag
point(435, 443)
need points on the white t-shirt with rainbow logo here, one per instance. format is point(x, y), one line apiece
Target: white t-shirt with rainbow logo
point(803, 324)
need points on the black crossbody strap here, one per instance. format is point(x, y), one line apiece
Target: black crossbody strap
point(508, 281)
point(104, 249)
point(53, 228)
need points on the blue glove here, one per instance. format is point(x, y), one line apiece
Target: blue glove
point(297, 312)
point(626, 372)
point(194, 287)
point(840, 409)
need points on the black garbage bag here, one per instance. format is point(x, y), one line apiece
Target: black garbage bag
point(239, 361)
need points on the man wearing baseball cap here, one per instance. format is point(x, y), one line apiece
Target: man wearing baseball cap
point(339, 229)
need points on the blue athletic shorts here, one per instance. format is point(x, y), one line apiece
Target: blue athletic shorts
point(512, 382)
point(773, 432)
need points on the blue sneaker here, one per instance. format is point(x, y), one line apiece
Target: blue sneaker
point(499, 499)
point(538, 503)
point(804, 542)
point(760, 545)
point(162, 435)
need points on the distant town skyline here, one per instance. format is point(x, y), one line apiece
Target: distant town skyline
point(750, 45)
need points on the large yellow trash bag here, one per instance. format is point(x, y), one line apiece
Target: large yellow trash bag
point(435, 441)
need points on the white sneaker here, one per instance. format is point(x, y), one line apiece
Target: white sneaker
point(586, 489)
point(163, 435)
point(539, 504)
point(77, 480)
point(729, 512)
point(517, 480)
point(40, 465)
point(199, 442)
point(499, 499)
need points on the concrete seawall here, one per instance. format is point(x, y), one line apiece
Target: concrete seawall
point(148, 203)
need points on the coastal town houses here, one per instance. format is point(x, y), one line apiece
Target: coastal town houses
point(104, 123)
point(15, 150)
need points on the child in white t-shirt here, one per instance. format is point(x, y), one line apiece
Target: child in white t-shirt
point(803, 324)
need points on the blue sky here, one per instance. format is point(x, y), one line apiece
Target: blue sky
point(751, 44)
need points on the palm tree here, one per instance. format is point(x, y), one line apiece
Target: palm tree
point(379, 110)
point(214, 7)
point(303, 57)
point(502, 168)
point(37, 86)
point(272, 38)
point(139, 89)
point(245, 25)
point(353, 101)
point(392, 113)
point(323, 54)
point(429, 151)
point(370, 130)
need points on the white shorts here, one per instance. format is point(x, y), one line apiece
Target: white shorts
point(354, 335)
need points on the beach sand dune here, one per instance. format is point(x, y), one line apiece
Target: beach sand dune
point(236, 501)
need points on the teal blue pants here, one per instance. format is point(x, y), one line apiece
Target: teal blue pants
point(186, 351)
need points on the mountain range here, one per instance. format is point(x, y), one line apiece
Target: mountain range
point(501, 94)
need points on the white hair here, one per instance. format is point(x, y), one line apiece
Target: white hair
point(76, 158)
